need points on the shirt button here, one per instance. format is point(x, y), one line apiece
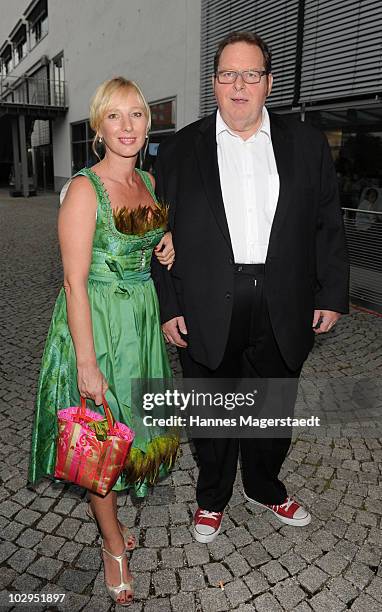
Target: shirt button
point(228, 295)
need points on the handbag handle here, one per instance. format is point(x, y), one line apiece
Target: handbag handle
point(81, 412)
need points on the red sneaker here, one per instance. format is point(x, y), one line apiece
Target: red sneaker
point(290, 512)
point(206, 525)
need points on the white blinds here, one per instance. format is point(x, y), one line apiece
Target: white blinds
point(274, 20)
point(342, 49)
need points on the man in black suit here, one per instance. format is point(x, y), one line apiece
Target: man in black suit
point(261, 263)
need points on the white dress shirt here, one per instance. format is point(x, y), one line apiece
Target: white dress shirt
point(250, 187)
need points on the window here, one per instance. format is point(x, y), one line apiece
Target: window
point(163, 123)
point(37, 17)
point(82, 140)
point(58, 80)
point(19, 42)
point(6, 60)
point(355, 139)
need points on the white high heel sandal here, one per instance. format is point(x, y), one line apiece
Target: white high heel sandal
point(114, 591)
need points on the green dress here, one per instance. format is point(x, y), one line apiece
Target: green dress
point(128, 343)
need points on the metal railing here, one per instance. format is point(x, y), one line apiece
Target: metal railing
point(364, 237)
point(33, 91)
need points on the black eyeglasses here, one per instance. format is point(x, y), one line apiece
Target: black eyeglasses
point(251, 77)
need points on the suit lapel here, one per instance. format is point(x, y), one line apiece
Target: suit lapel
point(206, 154)
point(283, 149)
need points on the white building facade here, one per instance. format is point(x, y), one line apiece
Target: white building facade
point(77, 44)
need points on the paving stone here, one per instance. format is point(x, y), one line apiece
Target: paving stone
point(27, 517)
point(359, 575)
point(332, 563)
point(237, 592)
point(180, 535)
point(68, 527)
point(65, 506)
point(24, 496)
point(158, 605)
point(9, 508)
point(221, 547)
point(342, 589)
point(87, 533)
point(42, 504)
point(375, 589)
point(312, 579)
point(196, 554)
point(237, 564)
point(6, 576)
point(98, 604)
point(289, 594)
point(12, 531)
point(276, 545)
point(365, 603)
point(69, 551)
point(267, 603)
point(6, 550)
point(45, 567)
point(172, 557)
point(213, 600)
point(216, 573)
point(256, 582)
point(143, 560)
point(164, 582)
point(274, 572)
point(26, 583)
point(326, 602)
point(50, 545)
point(154, 516)
point(22, 558)
point(239, 536)
point(370, 555)
point(30, 538)
point(182, 602)
point(255, 554)
point(292, 562)
point(356, 533)
point(192, 579)
point(76, 580)
point(259, 527)
point(89, 559)
point(142, 582)
point(346, 549)
point(156, 537)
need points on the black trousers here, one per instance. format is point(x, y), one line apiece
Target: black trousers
point(251, 352)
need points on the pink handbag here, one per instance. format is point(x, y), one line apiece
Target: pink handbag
point(91, 450)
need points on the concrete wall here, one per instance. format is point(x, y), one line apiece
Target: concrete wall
point(155, 42)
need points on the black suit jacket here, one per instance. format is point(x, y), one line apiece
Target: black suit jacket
point(306, 265)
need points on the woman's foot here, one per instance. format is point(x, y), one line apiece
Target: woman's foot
point(118, 579)
point(129, 539)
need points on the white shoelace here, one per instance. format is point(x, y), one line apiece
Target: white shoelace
point(286, 505)
point(208, 514)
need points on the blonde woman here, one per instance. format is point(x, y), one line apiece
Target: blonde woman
point(105, 328)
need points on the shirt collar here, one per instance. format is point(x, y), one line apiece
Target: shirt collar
point(265, 127)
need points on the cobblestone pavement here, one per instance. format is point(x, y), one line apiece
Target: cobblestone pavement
point(48, 546)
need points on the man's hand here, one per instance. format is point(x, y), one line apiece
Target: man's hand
point(327, 319)
point(171, 331)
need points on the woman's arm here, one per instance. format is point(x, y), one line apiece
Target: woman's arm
point(76, 226)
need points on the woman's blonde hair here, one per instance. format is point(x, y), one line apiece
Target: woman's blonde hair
point(101, 102)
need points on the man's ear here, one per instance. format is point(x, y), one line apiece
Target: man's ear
point(270, 83)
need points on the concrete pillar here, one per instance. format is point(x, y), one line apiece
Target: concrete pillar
point(24, 156)
point(16, 155)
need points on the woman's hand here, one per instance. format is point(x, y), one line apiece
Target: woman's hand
point(165, 251)
point(91, 383)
